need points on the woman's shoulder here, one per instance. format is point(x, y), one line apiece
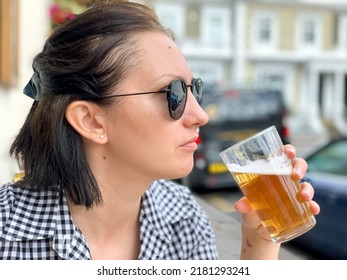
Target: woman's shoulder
point(11, 192)
point(8, 197)
point(20, 200)
point(175, 201)
point(7, 194)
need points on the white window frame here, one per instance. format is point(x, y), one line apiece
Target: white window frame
point(208, 13)
point(172, 16)
point(301, 44)
point(272, 43)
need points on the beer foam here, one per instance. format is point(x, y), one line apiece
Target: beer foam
point(279, 165)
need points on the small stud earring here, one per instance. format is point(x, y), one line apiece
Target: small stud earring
point(101, 136)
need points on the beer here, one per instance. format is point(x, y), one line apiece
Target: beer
point(264, 174)
point(275, 198)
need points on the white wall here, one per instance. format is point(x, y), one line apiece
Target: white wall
point(14, 106)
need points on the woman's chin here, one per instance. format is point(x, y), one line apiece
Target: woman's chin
point(183, 173)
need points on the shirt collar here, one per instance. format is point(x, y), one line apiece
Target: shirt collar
point(68, 241)
point(29, 220)
point(46, 215)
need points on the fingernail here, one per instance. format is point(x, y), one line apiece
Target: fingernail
point(299, 171)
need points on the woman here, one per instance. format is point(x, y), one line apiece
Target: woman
point(116, 109)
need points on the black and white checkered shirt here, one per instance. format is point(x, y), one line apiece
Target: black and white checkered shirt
point(37, 225)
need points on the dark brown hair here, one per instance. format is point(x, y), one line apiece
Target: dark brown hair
point(87, 58)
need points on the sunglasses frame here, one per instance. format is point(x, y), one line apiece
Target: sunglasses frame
point(196, 87)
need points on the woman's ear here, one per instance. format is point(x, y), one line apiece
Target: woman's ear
point(88, 119)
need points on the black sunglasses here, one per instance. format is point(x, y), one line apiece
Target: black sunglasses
point(176, 93)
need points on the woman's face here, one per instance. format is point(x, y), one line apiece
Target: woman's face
point(143, 138)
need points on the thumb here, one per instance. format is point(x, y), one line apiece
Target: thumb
point(243, 206)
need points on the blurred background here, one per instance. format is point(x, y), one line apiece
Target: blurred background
point(290, 54)
point(301, 45)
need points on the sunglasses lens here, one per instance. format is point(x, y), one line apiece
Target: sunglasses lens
point(197, 89)
point(178, 96)
point(177, 99)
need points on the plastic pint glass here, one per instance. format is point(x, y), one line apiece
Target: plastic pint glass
point(264, 174)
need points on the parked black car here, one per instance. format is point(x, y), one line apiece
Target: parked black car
point(327, 171)
point(234, 113)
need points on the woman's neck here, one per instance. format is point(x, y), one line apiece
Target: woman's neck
point(111, 229)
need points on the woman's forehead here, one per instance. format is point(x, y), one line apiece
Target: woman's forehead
point(159, 55)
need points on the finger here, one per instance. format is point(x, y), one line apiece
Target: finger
point(307, 191)
point(243, 206)
point(299, 168)
point(290, 150)
point(315, 208)
point(248, 216)
point(307, 194)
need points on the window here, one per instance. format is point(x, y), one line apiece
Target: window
point(216, 27)
point(308, 32)
point(264, 30)
point(172, 16)
point(330, 159)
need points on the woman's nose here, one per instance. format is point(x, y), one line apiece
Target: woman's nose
point(195, 111)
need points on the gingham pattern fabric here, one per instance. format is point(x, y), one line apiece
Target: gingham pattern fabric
point(38, 226)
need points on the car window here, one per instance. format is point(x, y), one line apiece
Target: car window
point(331, 159)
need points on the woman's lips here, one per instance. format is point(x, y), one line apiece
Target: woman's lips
point(191, 144)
